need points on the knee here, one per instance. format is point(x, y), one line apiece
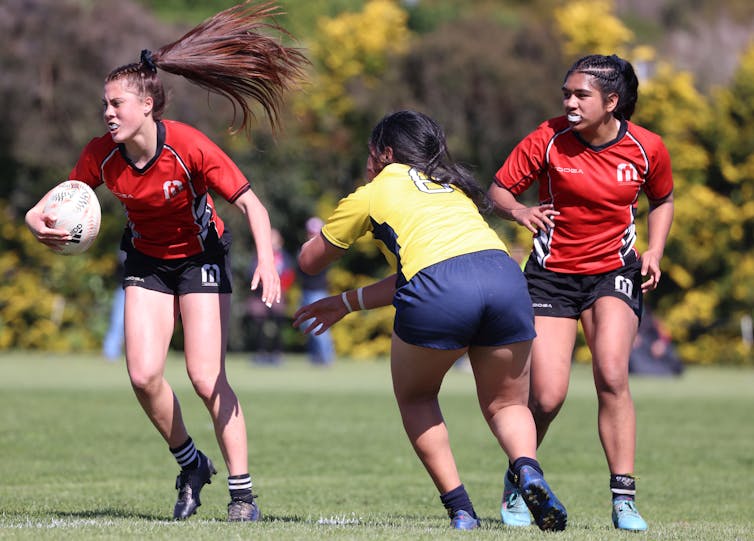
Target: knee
point(545, 406)
point(613, 382)
point(208, 386)
point(145, 382)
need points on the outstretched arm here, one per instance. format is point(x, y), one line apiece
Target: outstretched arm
point(324, 313)
point(317, 254)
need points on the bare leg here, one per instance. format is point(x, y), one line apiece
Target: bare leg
point(610, 328)
point(502, 380)
point(502, 376)
point(149, 324)
point(205, 318)
point(417, 375)
point(552, 351)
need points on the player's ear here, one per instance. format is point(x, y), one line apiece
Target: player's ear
point(148, 103)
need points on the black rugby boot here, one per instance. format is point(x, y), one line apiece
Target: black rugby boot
point(189, 484)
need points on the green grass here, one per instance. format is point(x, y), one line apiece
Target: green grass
point(329, 459)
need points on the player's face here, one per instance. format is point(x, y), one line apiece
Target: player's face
point(584, 104)
point(124, 110)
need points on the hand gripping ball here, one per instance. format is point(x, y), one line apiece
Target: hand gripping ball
point(74, 207)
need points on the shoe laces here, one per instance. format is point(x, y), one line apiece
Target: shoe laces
point(184, 485)
point(626, 507)
point(512, 499)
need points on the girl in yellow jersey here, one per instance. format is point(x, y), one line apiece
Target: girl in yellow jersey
point(456, 291)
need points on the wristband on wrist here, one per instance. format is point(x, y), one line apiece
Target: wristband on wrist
point(345, 301)
point(360, 296)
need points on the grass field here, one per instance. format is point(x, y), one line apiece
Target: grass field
point(329, 459)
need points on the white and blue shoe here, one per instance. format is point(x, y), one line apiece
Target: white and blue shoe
point(626, 516)
point(513, 510)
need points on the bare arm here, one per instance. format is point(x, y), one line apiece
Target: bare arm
point(324, 313)
point(259, 225)
point(659, 220)
point(317, 254)
point(508, 207)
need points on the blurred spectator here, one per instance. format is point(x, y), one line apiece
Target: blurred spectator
point(112, 346)
point(653, 352)
point(266, 323)
point(319, 347)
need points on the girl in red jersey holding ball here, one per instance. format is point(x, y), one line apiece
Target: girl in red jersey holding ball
point(178, 249)
point(591, 165)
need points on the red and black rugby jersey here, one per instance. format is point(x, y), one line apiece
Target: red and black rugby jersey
point(595, 189)
point(167, 202)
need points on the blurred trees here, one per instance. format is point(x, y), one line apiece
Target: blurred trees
point(489, 72)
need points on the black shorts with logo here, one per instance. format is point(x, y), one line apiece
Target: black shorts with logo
point(207, 272)
point(558, 294)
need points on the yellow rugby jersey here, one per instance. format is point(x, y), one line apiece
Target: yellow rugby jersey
point(418, 221)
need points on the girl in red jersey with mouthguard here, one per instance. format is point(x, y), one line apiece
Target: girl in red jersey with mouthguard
point(591, 165)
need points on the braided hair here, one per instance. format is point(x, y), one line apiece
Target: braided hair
point(226, 54)
point(418, 141)
point(612, 75)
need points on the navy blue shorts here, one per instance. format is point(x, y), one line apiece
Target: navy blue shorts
point(558, 294)
point(478, 299)
point(207, 272)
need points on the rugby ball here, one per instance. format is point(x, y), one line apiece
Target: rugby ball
point(73, 206)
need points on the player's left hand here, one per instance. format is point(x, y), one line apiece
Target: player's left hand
point(268, 276)
point(323, 314)
point(650, 270)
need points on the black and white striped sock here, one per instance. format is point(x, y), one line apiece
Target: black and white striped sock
point(186, 455)
point(239, 487)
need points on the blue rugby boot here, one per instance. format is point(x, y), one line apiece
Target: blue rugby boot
point(243, 511)
point(548, 512)
point(189, 484)
point(513, 510)
point(626, 516)
point(462, 520)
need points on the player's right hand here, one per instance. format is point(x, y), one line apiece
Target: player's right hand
point(536, 218)
point(43, 228)
point(323, 314)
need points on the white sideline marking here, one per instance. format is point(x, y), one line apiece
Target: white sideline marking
point(339, 520)
point(53, 523)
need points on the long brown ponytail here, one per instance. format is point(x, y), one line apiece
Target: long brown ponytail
point(226, 54)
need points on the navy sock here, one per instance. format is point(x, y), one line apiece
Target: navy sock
point(509, 475)
point(186, 455)
point(239, 487)
point(524, 461)
point(623, 486)
point(457, 499)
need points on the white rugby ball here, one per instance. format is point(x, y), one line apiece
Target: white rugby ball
point(74, 207)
